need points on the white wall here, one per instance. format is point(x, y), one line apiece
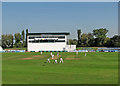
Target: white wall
point(1, 48)
point(46, 46)
point(70, 47)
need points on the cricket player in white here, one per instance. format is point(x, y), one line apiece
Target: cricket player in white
point(58, 54)
point(61, 60)
point(41, 52)
point(48, 60)
point(55, 61)
point(52, 56)
point(51, 53)
point(85, 54)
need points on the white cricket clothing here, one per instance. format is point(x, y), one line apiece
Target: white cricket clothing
point(41, 52)
point(85, 54)
point(61, 60)
point(52, 56)
point(55, 61)
point(48, 60)
point(51, 53)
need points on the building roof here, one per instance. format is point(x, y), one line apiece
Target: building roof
point(57, 33)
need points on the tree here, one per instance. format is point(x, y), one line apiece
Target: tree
point(107, 42)
point(23, 38)
point(91, 40)
point(4, 39)
point(79, 35)
point(11, 40)
point(7, 41)
point(17, 39)
point(115, 41)
point(26, 36)
point(72, 42)
point(19, 44)
point(84, 40)
point(100, 35)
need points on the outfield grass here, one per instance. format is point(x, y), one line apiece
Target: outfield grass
point(95, 68)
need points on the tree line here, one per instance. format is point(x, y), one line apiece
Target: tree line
point(97, 38)
point(17, 40)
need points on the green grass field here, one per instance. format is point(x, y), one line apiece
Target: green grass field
point(31, 68)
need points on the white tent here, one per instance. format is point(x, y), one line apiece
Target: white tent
point(1, 48)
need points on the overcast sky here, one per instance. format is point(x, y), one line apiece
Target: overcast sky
point(60, 17)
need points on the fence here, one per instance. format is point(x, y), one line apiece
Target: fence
point(12, 51)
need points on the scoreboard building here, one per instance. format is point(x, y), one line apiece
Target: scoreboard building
point(48, 42)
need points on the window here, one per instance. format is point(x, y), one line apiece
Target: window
point(31, 41)
point(59, 40)
point(46, 41)
point(51, 41)
point(37, 41)
point(61, 37)
point(31, 37)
